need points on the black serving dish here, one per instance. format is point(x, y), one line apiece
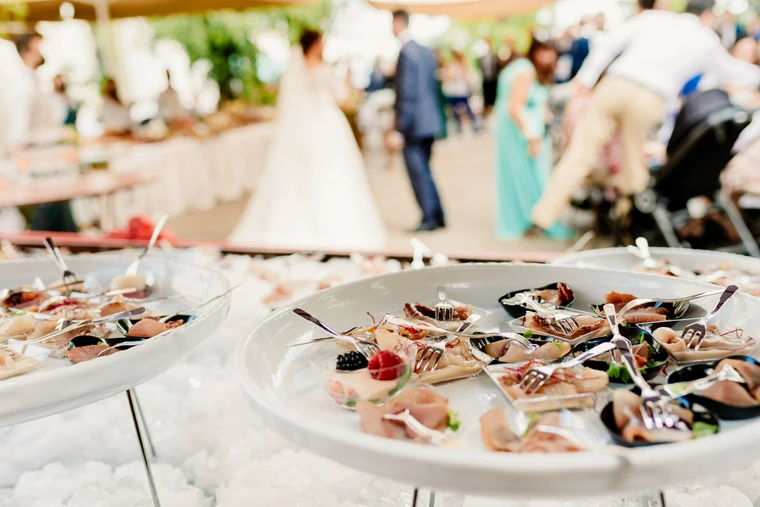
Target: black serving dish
point(722, 410)
point(618, 374)
point(123, 325)
point(515, 311)
point(674, 310)
point(701, 414)
point(85, 341)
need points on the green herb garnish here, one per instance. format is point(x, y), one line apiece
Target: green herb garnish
point(619, 373)
point(558, 344)
point(528, 334)
point(702, 429)
point(452, 420)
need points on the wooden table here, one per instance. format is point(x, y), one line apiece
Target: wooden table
point(99, 184)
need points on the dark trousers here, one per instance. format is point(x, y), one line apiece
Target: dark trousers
point(56, 217)
point(463, 103)
point(417, 154)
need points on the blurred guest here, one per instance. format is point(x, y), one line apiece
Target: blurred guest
point(746, 49)
point(489, 70)
point(33, 119)
point(64, 108)
point(641, 75)
point(114, 115)
point(523, 148)
point(418, 120)
point(170, 108)
point(457, 86)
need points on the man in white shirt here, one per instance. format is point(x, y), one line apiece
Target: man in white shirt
point(646, 62)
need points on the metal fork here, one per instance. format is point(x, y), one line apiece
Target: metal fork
point(694, 333)
point(430, 436)
point(397, 321)
point(365, 348)
point(68, 276)
point(644, 301)
point(654, 407)
point(444, 311)
point(566, 322)
point(434, 351)
point(135, 266)
point(538, 375)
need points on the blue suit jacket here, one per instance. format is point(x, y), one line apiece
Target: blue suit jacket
point(418, 109)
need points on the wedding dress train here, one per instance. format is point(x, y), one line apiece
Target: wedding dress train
point(314, 193)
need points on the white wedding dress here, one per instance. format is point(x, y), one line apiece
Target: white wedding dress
point(314, 193)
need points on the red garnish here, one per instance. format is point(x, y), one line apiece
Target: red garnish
point(381, 367)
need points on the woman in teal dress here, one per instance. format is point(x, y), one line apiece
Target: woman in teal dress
point(523, 148)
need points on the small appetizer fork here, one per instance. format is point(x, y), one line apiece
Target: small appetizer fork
point(567, 323)
point(654, 407)
point(538, 375)
point(694, 333)
point(444, 311)
point(430, 436)
point(68, 276)
point(433, 352)
point(365, 348)
point(645, 301)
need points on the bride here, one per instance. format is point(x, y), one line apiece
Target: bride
point(314, 193)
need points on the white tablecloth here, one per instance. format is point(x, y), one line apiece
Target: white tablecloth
point(191, 174)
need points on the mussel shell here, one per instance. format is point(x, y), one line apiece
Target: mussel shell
point(674, 311)
point(722, 410)
point(649, 372)
point(701, 414)
point(23, 299)
point(123, 325)
point(518, 311)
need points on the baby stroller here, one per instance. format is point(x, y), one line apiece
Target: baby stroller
point(684, 197)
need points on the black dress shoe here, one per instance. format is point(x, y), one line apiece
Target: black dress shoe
point(428, 227)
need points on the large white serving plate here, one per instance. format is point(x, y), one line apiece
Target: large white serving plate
point(286, 390)
point(622, 260)
point(59, 385)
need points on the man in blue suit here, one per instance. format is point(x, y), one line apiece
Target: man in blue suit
point(419, 119)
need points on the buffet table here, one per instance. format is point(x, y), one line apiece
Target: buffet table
point(191, 174)
point(213, 451)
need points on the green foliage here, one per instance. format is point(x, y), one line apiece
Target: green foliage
point(224, 38)
point(517, 28)
point(12, 13)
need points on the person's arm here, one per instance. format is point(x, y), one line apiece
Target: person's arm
point(605, 52)
point(730, 70)
point(406, 92)
point(518, 101)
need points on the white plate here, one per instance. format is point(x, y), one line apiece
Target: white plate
point(59, 385)
point(621, 259)
point(290, 399)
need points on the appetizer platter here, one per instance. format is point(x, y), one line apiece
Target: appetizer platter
point(720, 268)
point(440, 396)
point(103, 323)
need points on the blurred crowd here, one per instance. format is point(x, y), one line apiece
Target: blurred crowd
point(596, 106)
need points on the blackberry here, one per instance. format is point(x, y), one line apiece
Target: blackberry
point(351, 361)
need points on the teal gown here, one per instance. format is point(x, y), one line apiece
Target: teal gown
point(520, 179)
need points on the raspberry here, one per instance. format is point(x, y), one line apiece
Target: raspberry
point(381, 367)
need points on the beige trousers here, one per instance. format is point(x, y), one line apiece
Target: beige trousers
point(617, 104)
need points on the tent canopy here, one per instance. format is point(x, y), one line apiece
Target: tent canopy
point(464, 8)
point(49, 10)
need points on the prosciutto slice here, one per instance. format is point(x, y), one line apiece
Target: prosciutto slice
point(496, 433)
point(423, 403)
